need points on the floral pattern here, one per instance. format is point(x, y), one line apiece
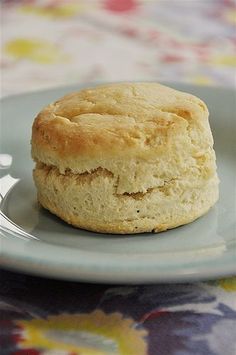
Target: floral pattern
point(95, 333)
point(47, 43)
point(42, 317)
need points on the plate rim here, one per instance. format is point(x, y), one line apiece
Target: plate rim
point(35, 264)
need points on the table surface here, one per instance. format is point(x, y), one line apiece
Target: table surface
point(50, 43)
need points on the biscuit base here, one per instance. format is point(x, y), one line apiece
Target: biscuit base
point(125, 227)
point(90, 202)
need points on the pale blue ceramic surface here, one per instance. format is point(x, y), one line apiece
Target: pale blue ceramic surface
point(203, 249)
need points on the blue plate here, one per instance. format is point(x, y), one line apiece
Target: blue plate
point(35, 241)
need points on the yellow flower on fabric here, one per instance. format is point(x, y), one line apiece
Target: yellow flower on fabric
point(201, 80)
point(33, 49)
point(230, 16)
point(55, 11)
point(226, 60)
point(228, 284)
point(95, 333)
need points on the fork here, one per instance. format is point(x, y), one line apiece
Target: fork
point(11, 228)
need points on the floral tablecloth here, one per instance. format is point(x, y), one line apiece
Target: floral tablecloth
point(49, 43)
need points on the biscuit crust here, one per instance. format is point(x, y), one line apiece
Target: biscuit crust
point(125, 158)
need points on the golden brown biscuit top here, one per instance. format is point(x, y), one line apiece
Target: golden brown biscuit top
point(111, 120)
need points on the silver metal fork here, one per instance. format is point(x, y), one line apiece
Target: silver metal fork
point(9, 228)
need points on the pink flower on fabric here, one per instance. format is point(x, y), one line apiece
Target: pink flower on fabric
point(120, 5)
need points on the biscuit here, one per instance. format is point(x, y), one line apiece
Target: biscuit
point(125, 158)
